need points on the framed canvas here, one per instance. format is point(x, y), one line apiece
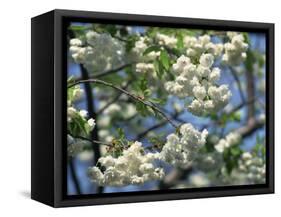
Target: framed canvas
point(134, 108)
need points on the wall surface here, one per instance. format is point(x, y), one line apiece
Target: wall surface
point(15, 107)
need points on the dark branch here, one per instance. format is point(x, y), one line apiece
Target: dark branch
point(250, 93)
point(136, 98)
point(92, 113)
point(114, 99)
point(92, 141)
point(154, 127)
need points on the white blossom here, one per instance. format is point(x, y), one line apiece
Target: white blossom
point(75, 146)
point(83, 113)
point(74, 94)
point(180, 150)
point(104, 121)
point(199, 180)
point(112, 109)
point(262, 118)
point(91, 122)
point(130, 110)
point(144, 68)
point(99, 52)
point(169, 41)
point(206, 60)
point(74, 115)
point(252, 167)
point(233, 138)
point(132, 167)
point(195, 47)
point(71, 112)
point(86, 155)
point(210, 161)
point(214, 76)
point(199, 92)
point(140, 46)
point(235, 50)
point(105, 135)
point(75, 42)
point(200, 83)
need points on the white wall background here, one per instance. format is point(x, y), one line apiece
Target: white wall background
point(15, 106)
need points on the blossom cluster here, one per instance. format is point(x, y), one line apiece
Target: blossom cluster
point(253, 167)
point(181, 149)
point(140, 46)
point(144, 65)
point(209, 161)
point(75, 146)
point(199, 81)
point(73, 94)
point(166, 40)
point(98, 51)
point(145, 68)
point(231, 139)
point(195, 47)
point(73, 114)
point(134, 166)
point(235, 50)
point(78, 122)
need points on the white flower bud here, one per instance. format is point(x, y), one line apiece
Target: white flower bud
point(207, 60)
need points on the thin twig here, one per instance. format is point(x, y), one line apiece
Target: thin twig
point(154, 127)
point(92, 141)
point(114, 99)
point(240, 106)
point(136, 98)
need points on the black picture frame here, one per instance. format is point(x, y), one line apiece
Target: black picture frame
point(48, 164)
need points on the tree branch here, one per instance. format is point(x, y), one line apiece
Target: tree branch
point(92, 113)
point(91, 141)
point(136, 98)
point(250, 94)
point(114, 99)
point(154, 127)
point(179, 174)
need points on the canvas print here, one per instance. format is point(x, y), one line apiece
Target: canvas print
point(157, 108)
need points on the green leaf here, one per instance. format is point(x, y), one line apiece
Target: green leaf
point(131, 40)
point(158, 68)
point(157, 101)
point(77, 28)
point(180, 43)
point(214, 116)
point(121, 133)
point(231, 157)
point(164, 58)
point(151, 48)
point(143, 109)
point(143, 84)
point(147, 93)
point(111, 29)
